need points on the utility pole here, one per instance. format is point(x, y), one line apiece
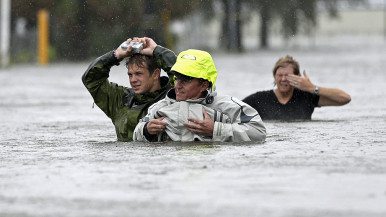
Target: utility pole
point(5, 31)
point(232, 25)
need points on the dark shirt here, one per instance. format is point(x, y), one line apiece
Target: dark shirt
point(299, 107)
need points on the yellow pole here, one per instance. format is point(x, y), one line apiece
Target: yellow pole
point(43, 36)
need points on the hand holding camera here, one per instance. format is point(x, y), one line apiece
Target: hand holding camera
point(136, 47)
point(144, 45)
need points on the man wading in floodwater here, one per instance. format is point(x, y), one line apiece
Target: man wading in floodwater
point(125, 106)
point(193, 111)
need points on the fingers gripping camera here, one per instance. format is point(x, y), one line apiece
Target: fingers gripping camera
point(136, 46)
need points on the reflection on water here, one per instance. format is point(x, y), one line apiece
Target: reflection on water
point(59, 153)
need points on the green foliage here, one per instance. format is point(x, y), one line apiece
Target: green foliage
point(24, 56)
point(52, 54)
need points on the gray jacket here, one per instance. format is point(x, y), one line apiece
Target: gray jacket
point(235, 121)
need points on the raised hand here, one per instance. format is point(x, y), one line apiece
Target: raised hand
point(302, 83)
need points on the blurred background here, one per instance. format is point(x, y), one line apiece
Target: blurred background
point(79, 30)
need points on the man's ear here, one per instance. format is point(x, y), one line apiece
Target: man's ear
point(209, 84)
point(157, 73)
point(205, 84)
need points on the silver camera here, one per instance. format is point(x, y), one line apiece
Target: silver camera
point(136, 46)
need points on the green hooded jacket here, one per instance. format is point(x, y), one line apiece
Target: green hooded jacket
point(124, 107)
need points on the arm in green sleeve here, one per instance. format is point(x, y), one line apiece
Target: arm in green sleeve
point(165, 58)
point(106, 95)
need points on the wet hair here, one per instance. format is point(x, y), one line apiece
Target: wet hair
point(142, 61)
point(285, 61)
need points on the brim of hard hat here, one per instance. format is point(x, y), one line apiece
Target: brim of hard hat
point(181, 76)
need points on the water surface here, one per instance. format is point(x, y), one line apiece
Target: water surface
point(60, 157)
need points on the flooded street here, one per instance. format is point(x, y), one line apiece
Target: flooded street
point(59, 156)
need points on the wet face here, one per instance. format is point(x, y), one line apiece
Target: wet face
point(191, 89)
point(281, 78)
point(141, 80)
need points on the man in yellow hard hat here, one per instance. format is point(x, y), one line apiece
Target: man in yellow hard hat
point(193, 111)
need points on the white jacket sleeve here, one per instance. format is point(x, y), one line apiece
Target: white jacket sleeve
point(245, 125)
point(138, 134)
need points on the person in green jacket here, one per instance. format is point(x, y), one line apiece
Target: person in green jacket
point(126, 106)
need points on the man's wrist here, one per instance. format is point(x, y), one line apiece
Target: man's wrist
point(146, 133)
point(115, 55)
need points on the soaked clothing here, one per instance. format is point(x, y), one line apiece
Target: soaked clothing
point(119, 103)
point(299, 107)
point(234, 120)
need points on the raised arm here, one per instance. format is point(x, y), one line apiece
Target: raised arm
point(328, 96)
point(165, 57)
point(332, 97)
point(95, 79)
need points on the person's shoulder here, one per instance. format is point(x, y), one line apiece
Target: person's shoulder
point(259, 94)
point(227, 101)
point(119, 88)
point(298, 92)
point(222, 98)
point(265, 93)
point(156, 106)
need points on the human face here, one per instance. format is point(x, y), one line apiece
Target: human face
point(281, 78)
point(191, 89)
point(141, 80)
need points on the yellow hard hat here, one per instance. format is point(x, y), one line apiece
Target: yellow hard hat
point(197, 64)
